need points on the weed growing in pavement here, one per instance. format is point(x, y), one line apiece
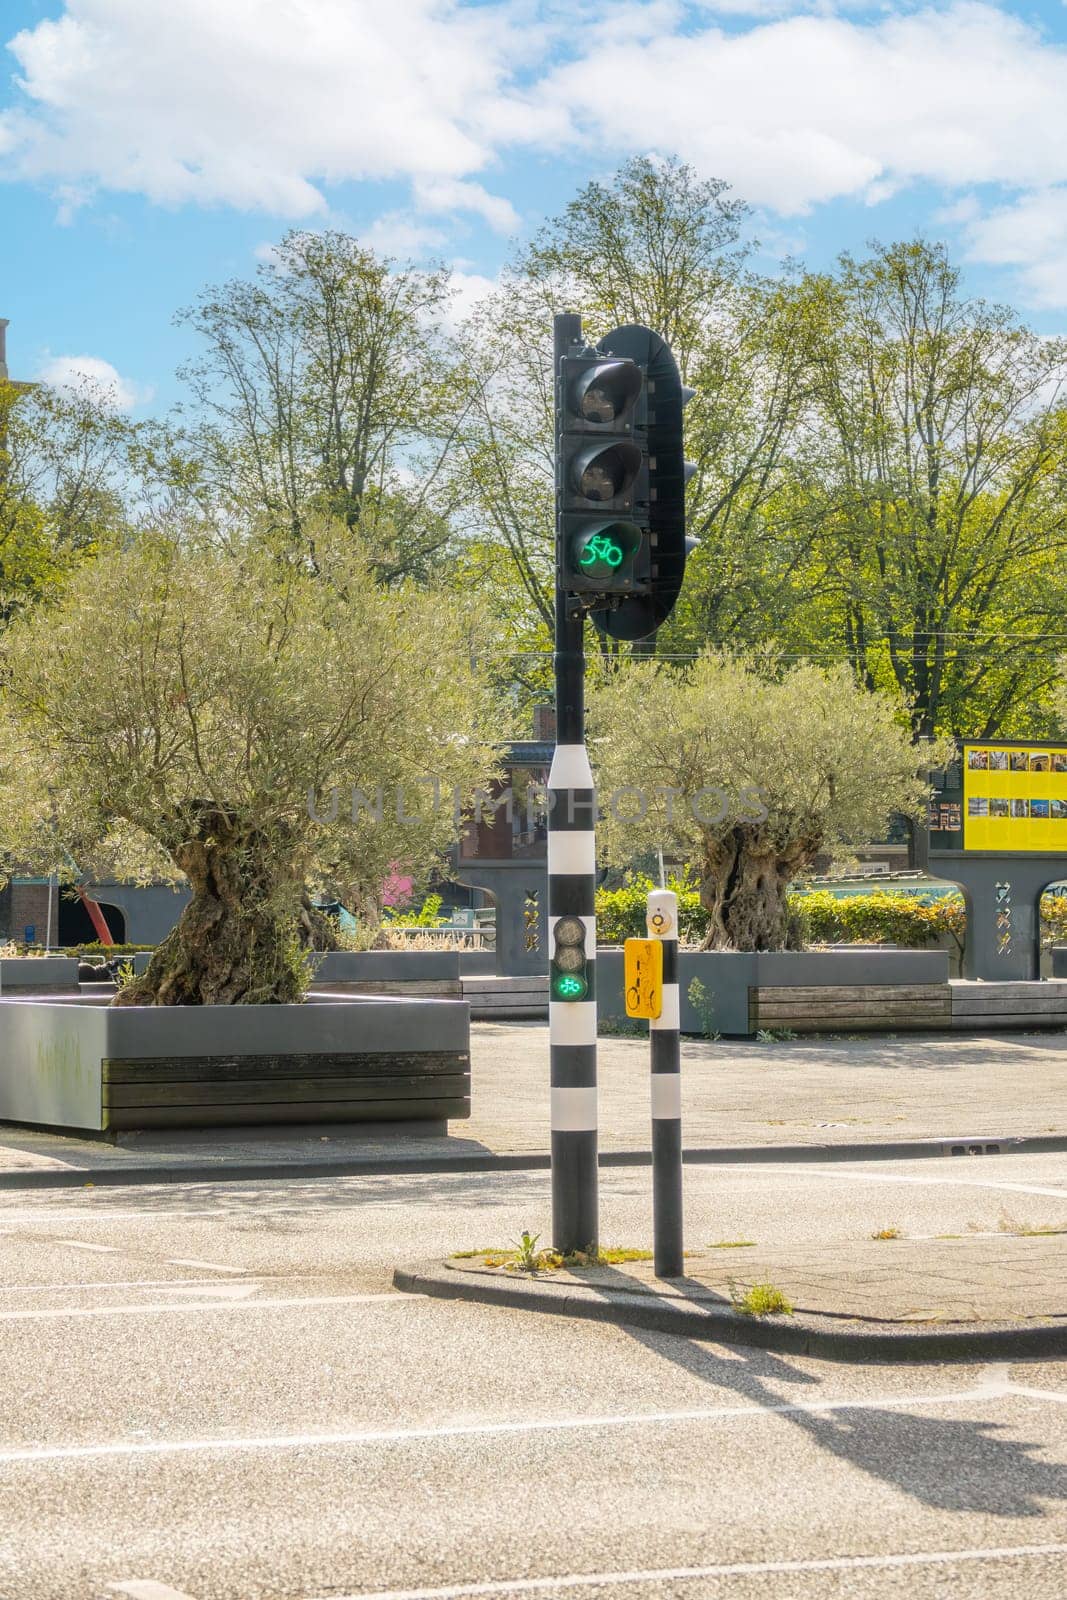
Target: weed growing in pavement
point(774, 1035)
point(759, 1300)
point(732, 1244)
point(887, 1233)
point(527, 1258)
point(527, 1254)
point(620, 1028)
point(703, 1003)
point(1029, 1230)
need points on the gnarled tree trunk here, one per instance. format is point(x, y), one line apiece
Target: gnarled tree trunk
point(745, 877)
point(236, 942)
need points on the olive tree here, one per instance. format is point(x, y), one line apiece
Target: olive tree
point(747, 776)
point(231, 698)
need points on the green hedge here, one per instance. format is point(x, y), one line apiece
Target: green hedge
point(620, 913)
point(108, 950)
point(881, 917)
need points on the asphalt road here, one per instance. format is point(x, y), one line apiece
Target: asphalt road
point(214, 1393)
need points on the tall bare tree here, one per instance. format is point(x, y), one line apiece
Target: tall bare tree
point(326, 387)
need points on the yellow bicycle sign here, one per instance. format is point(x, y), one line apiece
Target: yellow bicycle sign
point(643, 977)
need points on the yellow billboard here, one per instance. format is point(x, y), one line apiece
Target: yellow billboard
point(1015, 797)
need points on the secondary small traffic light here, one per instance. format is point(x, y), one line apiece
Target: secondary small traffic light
point(569, 979)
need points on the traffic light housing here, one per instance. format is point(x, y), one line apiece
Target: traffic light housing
point(569, 975)
point(601, 474)
point(620, 481)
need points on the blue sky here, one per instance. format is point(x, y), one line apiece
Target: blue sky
point(150, 147)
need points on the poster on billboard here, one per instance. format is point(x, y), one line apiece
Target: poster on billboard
point(1015, 797)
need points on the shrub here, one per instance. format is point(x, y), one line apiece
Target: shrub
point(882, 918)
point(620, 912)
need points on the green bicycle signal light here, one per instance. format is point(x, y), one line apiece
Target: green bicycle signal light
point(569, 977)
point(602, 554)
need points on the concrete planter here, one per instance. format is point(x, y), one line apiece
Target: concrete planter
point(38, 974)
point(87, 1066)
point(409, 972)
point(731, 979)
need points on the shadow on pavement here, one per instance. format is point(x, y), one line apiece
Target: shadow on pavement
point(949, 1465)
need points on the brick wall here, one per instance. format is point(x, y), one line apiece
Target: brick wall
point(29, 907)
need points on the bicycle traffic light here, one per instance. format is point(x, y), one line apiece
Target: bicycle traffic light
point(600, 460)
point(620, 481)
point(569, 977)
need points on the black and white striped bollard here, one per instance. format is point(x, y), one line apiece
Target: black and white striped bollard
point(661, 919)
point(572, 999)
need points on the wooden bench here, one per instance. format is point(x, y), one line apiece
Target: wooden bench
point(1009, 1005)
point(850, 1008)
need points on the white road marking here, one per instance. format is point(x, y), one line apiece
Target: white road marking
point(995, 1379)
point(56, 1312)
point(1040, 1394)
point(205, 1266)
point(108, 1284)
point(106, 1214)
point(468, 1430)
point(80, 1244)
point(902, 1177)
point(734, 1569)
point(147, 1589)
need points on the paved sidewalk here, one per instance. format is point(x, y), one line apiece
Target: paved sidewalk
point(899, 1299)
point(819, 1094)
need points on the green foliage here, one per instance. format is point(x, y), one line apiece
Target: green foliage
point(527, 1255)
point(1053, 920)
point(96, 949)
point(883, 918)
point(703, 1003)
point(929, 480)
point(427, 916)
point(325, 390)
point(748, 773)
point(760, 1300)
point(620, 912)
point(236, 695)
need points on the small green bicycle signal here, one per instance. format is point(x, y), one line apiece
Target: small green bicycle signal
point(570, 976)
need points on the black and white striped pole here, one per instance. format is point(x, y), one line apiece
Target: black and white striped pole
point(571, 913)
point(661, 919)
point(620, 556)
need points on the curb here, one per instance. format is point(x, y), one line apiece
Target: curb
point(533, 1161)
point(826, 1337)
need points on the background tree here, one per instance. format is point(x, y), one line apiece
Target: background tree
point(326, 388)
point(63, 455)
point(830, 762)
point(931, 482)
point(232, 690)
point(662, 247)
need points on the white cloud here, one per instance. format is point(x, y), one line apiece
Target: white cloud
point(91, 373)
point(267, 103)
point(811, 108)
point(403, 235)
point(468, 290)
point(1030, 235)
point(449, 194)
point(257, 103)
